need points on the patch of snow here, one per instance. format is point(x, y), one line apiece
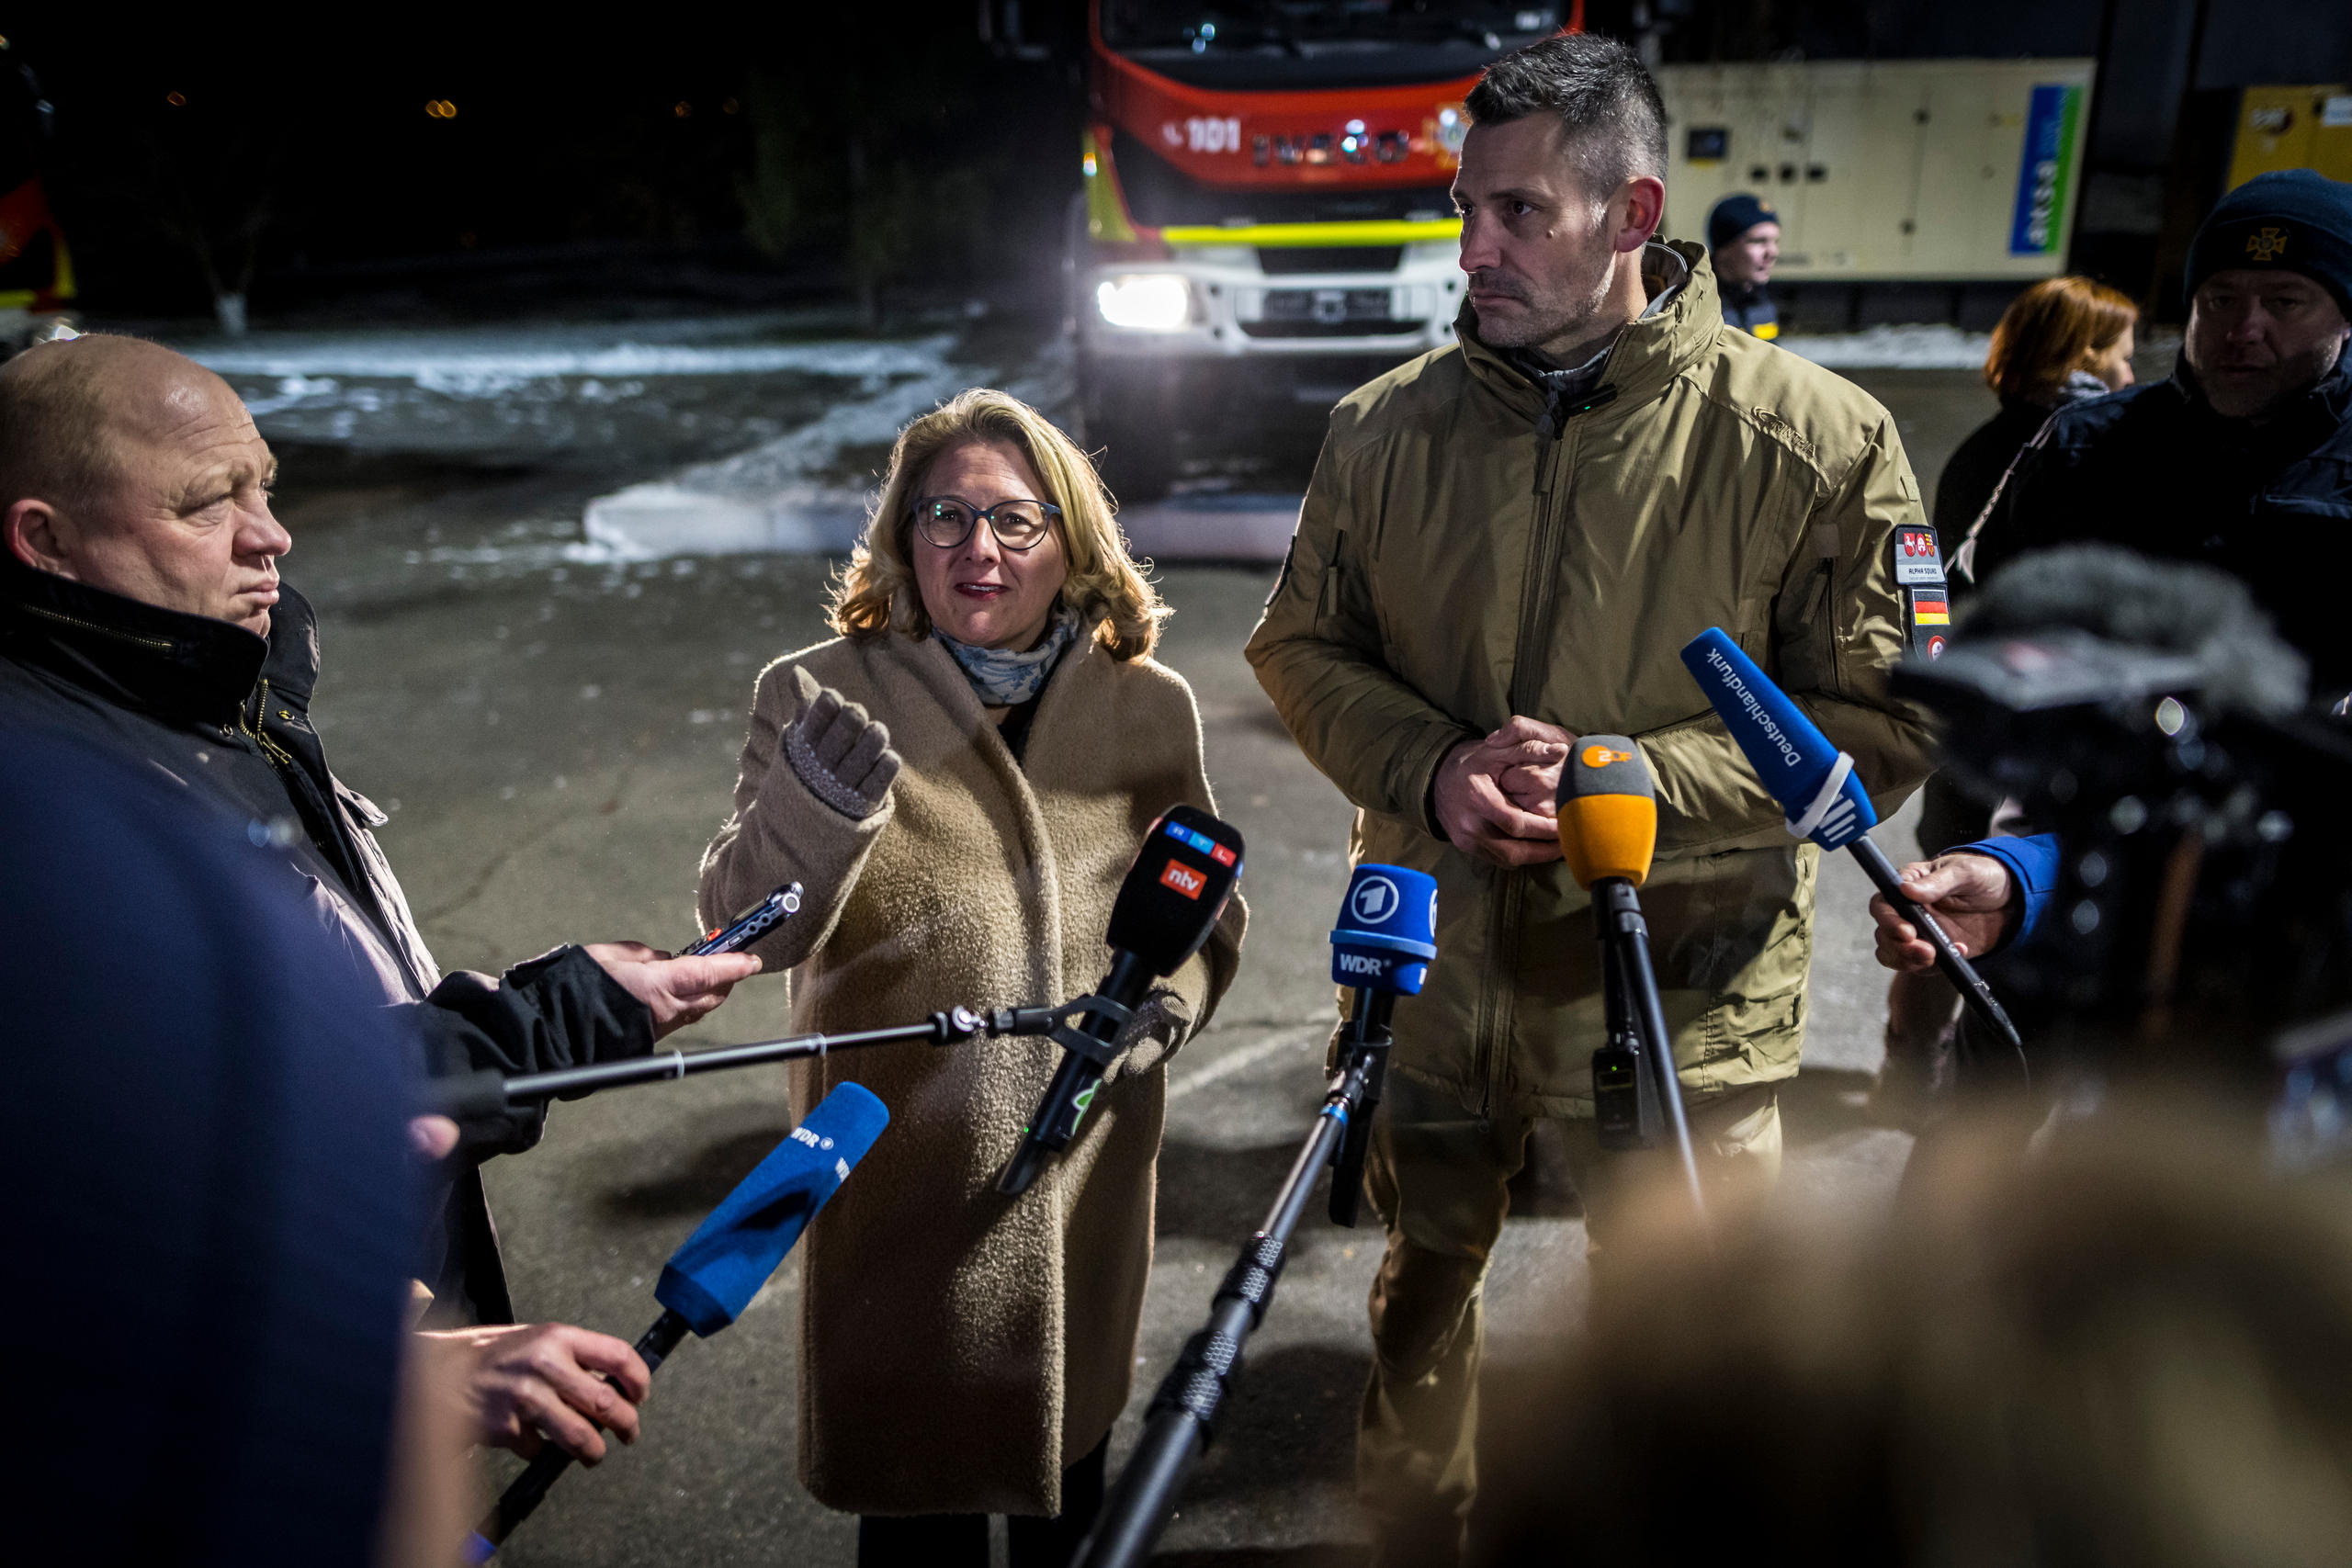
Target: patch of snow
point(485, 365)
point(1894, 348)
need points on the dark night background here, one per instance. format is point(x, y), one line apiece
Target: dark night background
point(869, 152)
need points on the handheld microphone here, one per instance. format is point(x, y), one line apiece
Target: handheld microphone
point(712, 1278)
point(1382, 947)
point(1814, 784)
point(1608, 828)
point(1166, 909)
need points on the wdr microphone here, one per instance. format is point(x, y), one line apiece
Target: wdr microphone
point(1381, 948)
point(709, 1280)
point(1166, 909)
point(1816, 785)
point(1608, 828)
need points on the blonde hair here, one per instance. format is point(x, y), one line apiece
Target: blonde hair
point(877, 592)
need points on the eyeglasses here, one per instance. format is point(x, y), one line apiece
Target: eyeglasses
point(945, 522)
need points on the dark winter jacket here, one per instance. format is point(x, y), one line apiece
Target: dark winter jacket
point(224, 713)
point(2155, 469)
point(1749, 308)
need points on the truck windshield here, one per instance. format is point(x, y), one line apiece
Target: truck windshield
point(1271, 44)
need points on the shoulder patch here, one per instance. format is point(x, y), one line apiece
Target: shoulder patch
point(1919, 577)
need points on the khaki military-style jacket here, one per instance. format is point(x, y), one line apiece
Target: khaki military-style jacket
point(1457, 563)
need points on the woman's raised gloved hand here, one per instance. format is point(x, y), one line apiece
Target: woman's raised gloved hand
point(842, 753)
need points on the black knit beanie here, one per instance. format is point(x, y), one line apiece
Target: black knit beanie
point(2293, 219)
point(1734, 215)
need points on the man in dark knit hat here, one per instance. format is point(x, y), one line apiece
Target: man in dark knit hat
point(1743, 244)
point(2242, 460)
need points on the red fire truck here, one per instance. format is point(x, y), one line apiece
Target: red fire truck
point(1266, 212)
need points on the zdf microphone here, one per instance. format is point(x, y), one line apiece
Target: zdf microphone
point(1608, 828)
point(712, 1278)
point(1817, 787)
point(1608, 822)
point(1381, 949)
point(1166, 909)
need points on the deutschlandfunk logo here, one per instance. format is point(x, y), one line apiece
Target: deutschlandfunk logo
point(1790, 756)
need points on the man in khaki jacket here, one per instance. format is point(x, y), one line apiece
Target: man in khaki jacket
point(1505, 544)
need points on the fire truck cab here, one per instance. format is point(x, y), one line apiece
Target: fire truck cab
point(1266, 214)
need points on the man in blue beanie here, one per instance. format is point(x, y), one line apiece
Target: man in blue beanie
point(1743, 245)
point(2242, 460)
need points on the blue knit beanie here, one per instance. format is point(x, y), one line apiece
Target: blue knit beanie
point(1734, 215)
point(2292, 220)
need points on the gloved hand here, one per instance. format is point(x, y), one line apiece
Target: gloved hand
point(840, 753)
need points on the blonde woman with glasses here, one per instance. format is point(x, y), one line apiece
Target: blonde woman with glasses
point(960, 779)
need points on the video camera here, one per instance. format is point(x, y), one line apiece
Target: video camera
point(2203, 907)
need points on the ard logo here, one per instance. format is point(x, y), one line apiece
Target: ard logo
point(2267, 244)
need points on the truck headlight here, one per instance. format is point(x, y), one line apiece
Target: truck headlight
point(1149, 301)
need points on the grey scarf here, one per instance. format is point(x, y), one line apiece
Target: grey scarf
point(1005, 679)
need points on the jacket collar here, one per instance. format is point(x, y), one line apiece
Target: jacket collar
point(1648, 354)
point(188, 669)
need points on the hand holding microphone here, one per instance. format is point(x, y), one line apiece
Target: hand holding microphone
point(1816, 785)
point(710, 1279)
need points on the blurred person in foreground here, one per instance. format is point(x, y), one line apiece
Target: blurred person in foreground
point(2131, 1350)
point(1506, 545)
point(213, 1204)
point(2060, 341)
point(2242, 460)
point(964, 1353)
point(141, 606)
point(216, 1193)
point(1743, 246)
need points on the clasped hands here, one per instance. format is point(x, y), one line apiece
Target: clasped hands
point(1497, 797)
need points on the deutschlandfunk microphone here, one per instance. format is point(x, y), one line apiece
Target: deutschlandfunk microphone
point(1166, 909)
point(1814, 784)
point(1381, 950)
point(712, 1278)
point(1608, 828)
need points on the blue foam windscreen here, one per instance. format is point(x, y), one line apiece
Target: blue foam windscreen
point(1387, 930)
point(714, 1276)
point(1787, 749)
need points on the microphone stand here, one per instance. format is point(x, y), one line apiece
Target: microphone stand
point(490, 1092)
point(1630, 996)
point(1178, 1424)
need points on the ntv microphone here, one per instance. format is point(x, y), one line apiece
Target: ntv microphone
point(1816, 785)
point(1608, 828)
point(1381, 948)
point(1166, 909)
point(712, 1278)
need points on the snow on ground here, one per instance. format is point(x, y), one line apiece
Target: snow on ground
point(1894, 348)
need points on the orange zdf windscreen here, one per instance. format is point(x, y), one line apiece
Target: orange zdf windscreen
point(1607, 811)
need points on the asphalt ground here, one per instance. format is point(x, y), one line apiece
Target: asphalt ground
point(555, 740)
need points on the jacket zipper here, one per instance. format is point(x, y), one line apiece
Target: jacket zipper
point(1538, 597)
point(161, 645)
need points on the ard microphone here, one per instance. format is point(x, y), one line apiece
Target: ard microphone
point(1816, 785)
point(1608, 828)
point(710, 1279)
point(1166, 909)
point(1381, 948)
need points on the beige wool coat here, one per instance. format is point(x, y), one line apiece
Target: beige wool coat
point(960, 1348)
